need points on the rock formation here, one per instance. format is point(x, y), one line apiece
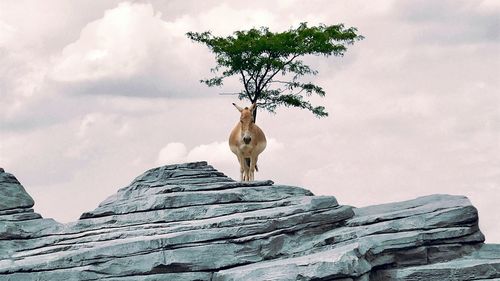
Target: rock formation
point(191, 222)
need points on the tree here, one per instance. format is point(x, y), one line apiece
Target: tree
point(269, 66)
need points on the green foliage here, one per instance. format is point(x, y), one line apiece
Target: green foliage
point(268, 64)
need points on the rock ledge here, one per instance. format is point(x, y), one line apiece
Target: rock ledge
point(191, 222)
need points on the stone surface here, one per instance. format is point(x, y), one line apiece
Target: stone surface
point(12, 193)
point(482, 264)
point(191, 222)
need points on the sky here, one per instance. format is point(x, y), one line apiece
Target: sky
point(93, 93)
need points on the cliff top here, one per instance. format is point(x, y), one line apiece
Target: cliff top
point(191, 222)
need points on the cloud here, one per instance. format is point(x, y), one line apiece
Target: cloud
point(224, 19)
point(7, 33)
point(452, 22)
point(172, 153)
point(116, 46)
point(216, 153)
point(27, 49)
point(131, 51)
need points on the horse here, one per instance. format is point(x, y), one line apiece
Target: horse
point(247, 141)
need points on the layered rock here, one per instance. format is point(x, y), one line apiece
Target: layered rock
point(191, 222)
point(18, 221)
point(13, 194)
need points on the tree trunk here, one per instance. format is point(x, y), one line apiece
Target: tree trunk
point(254, 100)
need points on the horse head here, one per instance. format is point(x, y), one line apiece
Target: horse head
point(247, 122)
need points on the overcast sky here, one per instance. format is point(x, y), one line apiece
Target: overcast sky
point(93, 93)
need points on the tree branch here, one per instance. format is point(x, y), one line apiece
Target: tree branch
point(280, 69)
point(244, 81)
point(268, 67)
point(278, 81)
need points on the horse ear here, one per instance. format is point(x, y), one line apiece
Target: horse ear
point(253, 106)
point(240, 109)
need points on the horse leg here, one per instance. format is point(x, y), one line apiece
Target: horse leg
point(241, 160)
point(253, 164)
point(247, 170)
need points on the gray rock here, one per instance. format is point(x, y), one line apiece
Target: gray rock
point(191, 222)
point(482, 264)
point(18, 221)
point(12, 193)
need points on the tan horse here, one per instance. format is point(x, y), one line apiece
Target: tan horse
point(247, 141)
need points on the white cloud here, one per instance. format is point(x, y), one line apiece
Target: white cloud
point(132, 51)
point(101, 123)
point(488, 5)
point(215, 152)
point(224, 20)
point(7, 33)
point(172, 153)
point(117, 46)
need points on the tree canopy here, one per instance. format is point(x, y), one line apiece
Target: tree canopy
point(269, 63)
